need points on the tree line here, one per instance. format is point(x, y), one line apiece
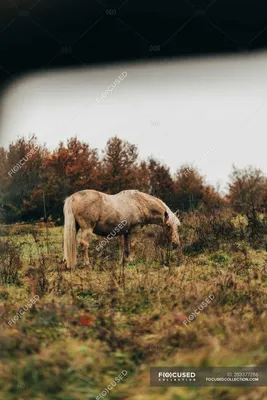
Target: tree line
point(35, 181)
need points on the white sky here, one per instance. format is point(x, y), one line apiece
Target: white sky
point(211, 112)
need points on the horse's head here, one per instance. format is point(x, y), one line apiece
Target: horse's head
point(172, 223)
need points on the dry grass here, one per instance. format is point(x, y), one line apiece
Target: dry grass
point(90, 324)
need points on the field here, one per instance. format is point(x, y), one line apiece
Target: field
point(88, 325)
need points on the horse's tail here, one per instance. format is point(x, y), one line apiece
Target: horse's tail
point(70, 245)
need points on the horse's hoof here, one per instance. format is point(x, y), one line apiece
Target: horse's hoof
point(165, 268)
point(165, 265)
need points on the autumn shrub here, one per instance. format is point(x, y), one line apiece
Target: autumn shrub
point(248, 195)
point(4, 230)
point(202, 231)
point(10, 263)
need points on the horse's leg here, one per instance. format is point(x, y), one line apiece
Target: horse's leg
point(180, 256)
point(133, 242)
point(86, 237)
point(126, 253)
point(126, 248)
point(162, 256)
point(165, 259)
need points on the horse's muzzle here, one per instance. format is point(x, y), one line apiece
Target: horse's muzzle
point(175, 246)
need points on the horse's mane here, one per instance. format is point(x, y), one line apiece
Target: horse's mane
point(142, 200)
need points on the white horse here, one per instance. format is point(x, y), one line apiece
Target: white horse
point(113, 215)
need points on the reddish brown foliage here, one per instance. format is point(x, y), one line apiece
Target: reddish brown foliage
point(47, 178)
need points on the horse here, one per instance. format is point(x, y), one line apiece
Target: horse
point(113, 215)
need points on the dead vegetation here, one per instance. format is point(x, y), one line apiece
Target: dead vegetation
point(86, 326)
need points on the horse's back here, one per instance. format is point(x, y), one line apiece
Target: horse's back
point(87, 204)
point(91, 193)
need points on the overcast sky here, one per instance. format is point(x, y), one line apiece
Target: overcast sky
point(210, 112)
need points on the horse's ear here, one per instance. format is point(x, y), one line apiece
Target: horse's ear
point(166, 217)
point(178, 216)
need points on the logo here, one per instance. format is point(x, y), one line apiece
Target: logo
point(176, 376)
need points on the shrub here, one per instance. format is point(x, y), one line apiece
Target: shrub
point(202, 231)
point(10, 263)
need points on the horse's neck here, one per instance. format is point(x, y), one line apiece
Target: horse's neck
point(152, 209)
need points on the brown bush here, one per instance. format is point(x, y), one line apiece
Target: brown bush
point(10, 263)
point(202, 231)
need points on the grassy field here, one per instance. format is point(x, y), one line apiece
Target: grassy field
point(88, 325)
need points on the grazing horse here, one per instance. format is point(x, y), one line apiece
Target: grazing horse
point(113, 215)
